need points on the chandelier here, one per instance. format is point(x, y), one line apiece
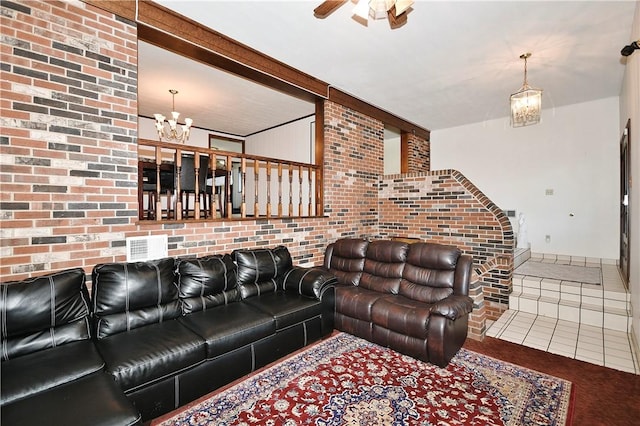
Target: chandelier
point(526, 103)
point(394, 10)
point(169, 130)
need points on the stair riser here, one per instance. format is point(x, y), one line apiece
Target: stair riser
point(614, 317)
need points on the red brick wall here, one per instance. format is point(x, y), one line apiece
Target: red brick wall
point(443, 206)
point(68, 145)
point(419, 157)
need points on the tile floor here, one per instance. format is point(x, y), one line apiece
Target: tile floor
point(597, 345)
point(586, 340)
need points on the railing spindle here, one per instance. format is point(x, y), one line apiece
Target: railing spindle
point(299, 190)
point(279, 189)
point(178, 198)
point(290, 190)
point(256, 177)
point(158, 186)
point(227, 183)
point(319, 208)
point(211, 171)
point(196, 193)
point(310, 194)
point(268, 188)
point(243, 183)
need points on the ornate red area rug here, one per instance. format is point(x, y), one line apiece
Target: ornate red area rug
point(345, 380)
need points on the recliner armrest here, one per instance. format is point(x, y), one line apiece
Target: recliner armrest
point(310, 282)
point(453, 307)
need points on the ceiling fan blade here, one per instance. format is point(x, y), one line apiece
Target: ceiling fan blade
point(396, 21)
point(326, 8)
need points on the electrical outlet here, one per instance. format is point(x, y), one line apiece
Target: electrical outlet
point(547, 238)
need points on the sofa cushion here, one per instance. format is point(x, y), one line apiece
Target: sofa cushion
point(228, 327)
point(402, 315)
point(93, 400)
point(430, 272)
point(260, 270)
point(36, 372)
point(130, 295)
point(60, 315)
point(345, 259)
point(207, 282)
point(383, 266)
point(356, 302)
point(149, 353)
point(287, 308)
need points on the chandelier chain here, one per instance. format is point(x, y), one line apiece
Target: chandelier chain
point(525, 56)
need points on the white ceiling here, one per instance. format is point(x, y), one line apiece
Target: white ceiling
point(453, 63)
point(214, 99)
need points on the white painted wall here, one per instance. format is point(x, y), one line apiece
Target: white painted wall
point(392, 151)
point(292, 142)
point(630, 109)
point(573, 151)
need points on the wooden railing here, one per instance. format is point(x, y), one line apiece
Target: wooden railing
point(173, 186)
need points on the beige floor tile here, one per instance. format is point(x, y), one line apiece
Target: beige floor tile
point(591, 358)
point(590, 340)
point(513, 338)
point(560, 349)
point(618, 354)
point(626, 367)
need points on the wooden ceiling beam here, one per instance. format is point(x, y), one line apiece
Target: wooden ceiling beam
point(205, 56)
point(170, 22)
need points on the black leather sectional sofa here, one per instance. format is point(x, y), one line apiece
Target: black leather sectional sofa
point(153, 335)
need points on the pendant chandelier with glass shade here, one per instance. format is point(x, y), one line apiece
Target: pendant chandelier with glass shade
point(170, 130)
point(526, 103)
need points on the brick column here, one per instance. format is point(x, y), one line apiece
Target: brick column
point(418, 153)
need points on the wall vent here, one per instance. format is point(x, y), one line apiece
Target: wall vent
point(140, 249)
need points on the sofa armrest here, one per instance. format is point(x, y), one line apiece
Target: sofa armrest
point(310, 282)
point(453, 307)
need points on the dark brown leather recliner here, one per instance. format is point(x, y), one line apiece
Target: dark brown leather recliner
point(412, 298)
